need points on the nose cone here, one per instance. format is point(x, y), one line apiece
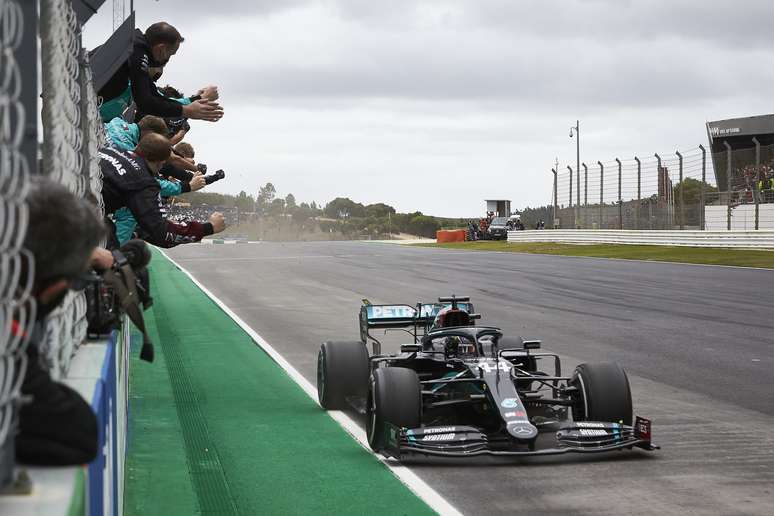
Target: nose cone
point(522, 430)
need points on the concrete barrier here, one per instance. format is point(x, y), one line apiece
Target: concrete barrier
point(739, 239)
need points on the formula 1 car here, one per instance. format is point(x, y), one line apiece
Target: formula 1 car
point(463, 390)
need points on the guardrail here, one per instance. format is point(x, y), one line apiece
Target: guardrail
point(741, 239)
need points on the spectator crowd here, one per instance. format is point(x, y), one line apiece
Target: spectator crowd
point(146, 162)
point(755, 183)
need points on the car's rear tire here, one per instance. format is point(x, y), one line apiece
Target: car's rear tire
point(342, 372)
point(395, 397)
point(603, 393)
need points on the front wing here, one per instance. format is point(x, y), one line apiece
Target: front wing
point(468, 441)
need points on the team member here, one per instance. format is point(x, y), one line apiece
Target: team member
point(129, 180)
point(132, 81)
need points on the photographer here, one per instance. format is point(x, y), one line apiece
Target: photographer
point(57, 426)
point(124, 136)
point(186, 151)
point(130, 181)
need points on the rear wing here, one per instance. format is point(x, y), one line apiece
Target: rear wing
point(403, 316)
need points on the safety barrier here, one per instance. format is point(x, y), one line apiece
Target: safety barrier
point(100, 373)
point(739, 239)
point(450, 235)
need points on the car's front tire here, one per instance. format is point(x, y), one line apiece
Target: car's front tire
point(395, 396)
point(342, 372)
point(602, 394)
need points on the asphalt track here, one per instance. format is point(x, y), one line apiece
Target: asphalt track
point(697, 342)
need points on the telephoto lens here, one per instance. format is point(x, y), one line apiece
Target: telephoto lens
point(217, 176)
point(137, 253)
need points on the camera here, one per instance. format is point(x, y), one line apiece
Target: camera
point(176, 124)
point(201, 167)
point(118, 290)
point(217, 176)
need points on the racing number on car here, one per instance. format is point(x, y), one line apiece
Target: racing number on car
point(489, 367)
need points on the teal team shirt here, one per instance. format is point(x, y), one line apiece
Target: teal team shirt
point(122, 135)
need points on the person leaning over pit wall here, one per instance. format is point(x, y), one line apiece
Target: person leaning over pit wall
point(125, 137)
point(129, 180)
point(57, 426)
point(208, 93)
point(132, 81)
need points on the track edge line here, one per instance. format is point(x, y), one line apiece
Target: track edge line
point(407, 477)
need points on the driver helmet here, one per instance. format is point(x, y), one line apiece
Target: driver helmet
point(449, 317)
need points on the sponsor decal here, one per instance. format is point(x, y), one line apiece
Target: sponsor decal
point(407, 312)
point(587, 424)
point(717, 131)
point(390, 312)
point(439, 437)
point(521, 429)
point(431, 310)
point(439, 430)
point(642, 428)
point(113, 161)
point(592, 432)
point(517, 413)
point(510, 403)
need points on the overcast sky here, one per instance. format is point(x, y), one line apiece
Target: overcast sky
point(437, 105)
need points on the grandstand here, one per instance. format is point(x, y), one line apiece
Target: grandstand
point(751, 139)
point(184, 212)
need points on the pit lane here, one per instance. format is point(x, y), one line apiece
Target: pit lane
point(697, 343)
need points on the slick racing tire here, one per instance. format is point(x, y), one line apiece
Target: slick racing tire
point(342, 372)
point(395, 397)
point(602, 394)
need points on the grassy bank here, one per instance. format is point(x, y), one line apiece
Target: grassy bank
point(700, 255)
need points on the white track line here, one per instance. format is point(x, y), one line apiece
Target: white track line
point(404, 474)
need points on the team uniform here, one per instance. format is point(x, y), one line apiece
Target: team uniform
point(132, 82)
point(128, 183)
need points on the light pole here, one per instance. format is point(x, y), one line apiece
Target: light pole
point(553, 215)
point(576, 130)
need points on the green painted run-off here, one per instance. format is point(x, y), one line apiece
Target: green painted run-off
point(217, 427)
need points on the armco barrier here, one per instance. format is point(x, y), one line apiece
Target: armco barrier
point(740, 239)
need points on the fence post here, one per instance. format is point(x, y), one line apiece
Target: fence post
point(639, 192)
point(620, 199)
point(570, 169)
point(585, 196)
point(658, 168)
point(703, 182)
point(728, 185)
point(682, 210)
point(756, 192)
point(601, 191)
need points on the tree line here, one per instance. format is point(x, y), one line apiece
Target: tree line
point(342, 215)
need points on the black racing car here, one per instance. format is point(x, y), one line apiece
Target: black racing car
point(462, 390)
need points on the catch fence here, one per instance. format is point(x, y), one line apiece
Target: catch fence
point(669, 191)
point(72, 133)
point(16, 303)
